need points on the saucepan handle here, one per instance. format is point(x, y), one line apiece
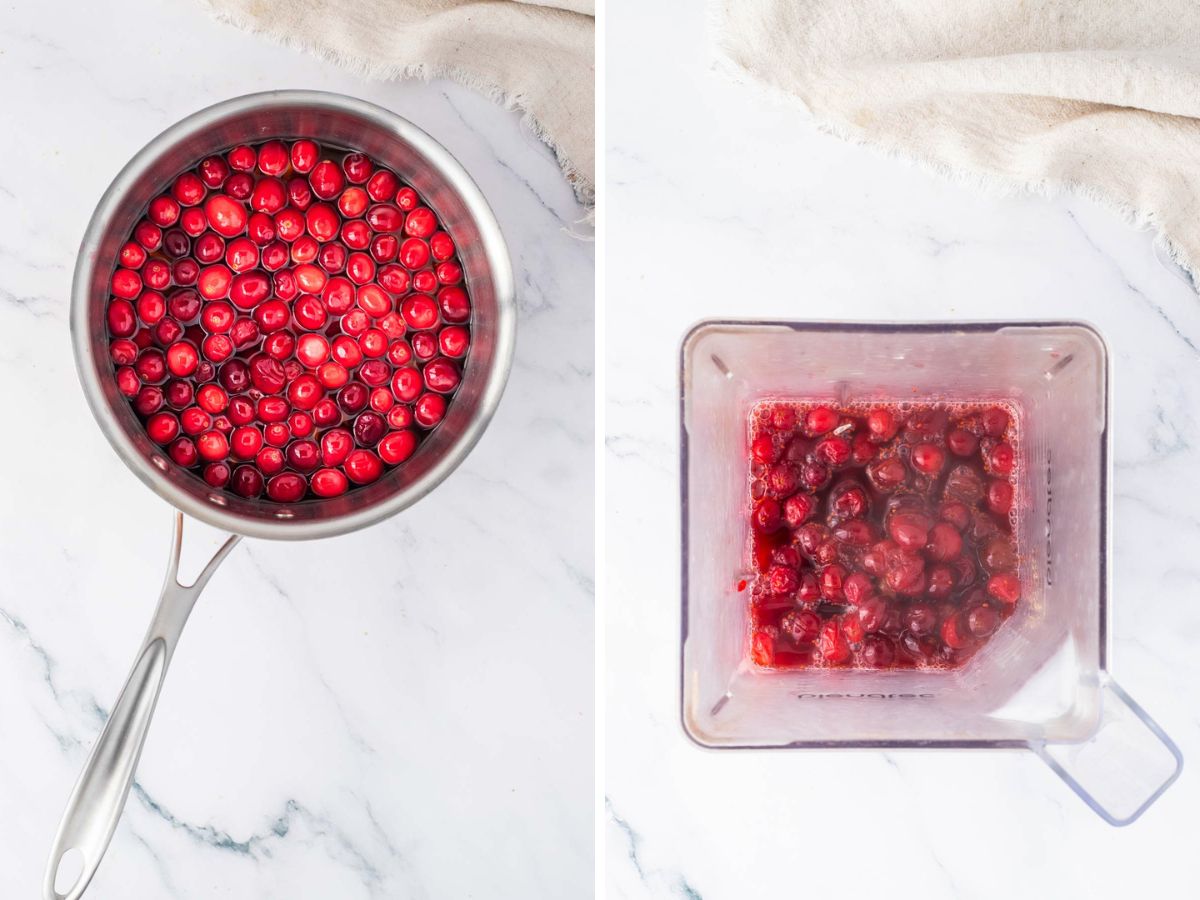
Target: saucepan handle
point(1124, 766)
point(98, 798)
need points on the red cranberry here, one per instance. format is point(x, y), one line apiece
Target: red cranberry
point(886, 475)
point(832, 580)
point(995, 422)
point(421, 222)
point(928, 459)
point(326, 180)
point(832, 643)
point(443, 248)
point(1005, 587)
point(332, 257)
point(878, 652)
point(363, 466)
point(800, 625)
point(304, 155)
point(783, 580)
point(454, 303)
point(857, 587)
point(982, 621)
point(239, 186)
point(162, 427)
point(882, 424)
point(163, 211)
point(287, 487)
point(999, 497)
point(955, 634)
point(397, 446)
point(213, 171)
point(328, 483)
point(962, 443)
point(1000, 460)
point(798, 509)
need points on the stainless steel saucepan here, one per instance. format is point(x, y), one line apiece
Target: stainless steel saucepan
point(99, 795)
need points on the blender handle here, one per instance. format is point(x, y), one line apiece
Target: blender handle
point(99, 795)
point(1124, 766)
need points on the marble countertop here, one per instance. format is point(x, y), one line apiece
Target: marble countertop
point(406, 711)
point(733, 205)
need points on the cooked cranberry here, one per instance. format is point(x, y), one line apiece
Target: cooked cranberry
point(801, 626)
point(162, 427)
point(424, 345)
point(1000, 459)
point(882, 425)
point(961, 442)
point(832, 643)
point(878, 652)
point(163, 211)
point(1005, 587)
point(995, 422)
point(287, 487)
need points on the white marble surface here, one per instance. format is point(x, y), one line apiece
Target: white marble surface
point(403, 712)
point(721, 202)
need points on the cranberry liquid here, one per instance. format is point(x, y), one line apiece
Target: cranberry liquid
point(288, 320)
point(881, 536)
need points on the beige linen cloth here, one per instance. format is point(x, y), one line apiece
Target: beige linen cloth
point(538, 57)
point(1101, 97)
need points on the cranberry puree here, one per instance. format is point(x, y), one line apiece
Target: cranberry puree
point(881, 536)
point(288, 321)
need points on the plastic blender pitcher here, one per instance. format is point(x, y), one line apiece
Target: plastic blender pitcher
point(1042, 681)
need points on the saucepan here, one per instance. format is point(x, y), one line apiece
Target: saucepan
point(98, 797)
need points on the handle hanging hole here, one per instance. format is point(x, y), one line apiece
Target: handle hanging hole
point(70, 867)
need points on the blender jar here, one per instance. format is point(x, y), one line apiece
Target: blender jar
point(1041, 682)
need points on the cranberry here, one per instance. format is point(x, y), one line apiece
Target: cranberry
point(995, 422)
point(328, 483)
point(798, 509)
point(955, 633)
point(999, 497)
point(270, 230)
point(928, 459)
point(878, 652)
point(226, 216)
point(832, 643)
point(832, 579)
point(162, 427)
point(163, 211)
point(188, 189)
point(453, 341)
point(304, 155)
point(287, 487)
point(1005, 587)
point(454, 303)
point(801, 626)
point(363, 466)
point(962, 443)
point(888, 474)
point(1000, 460)
point(882, 424)
point(421, 222)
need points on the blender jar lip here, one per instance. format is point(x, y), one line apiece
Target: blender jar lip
point(989, 326)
